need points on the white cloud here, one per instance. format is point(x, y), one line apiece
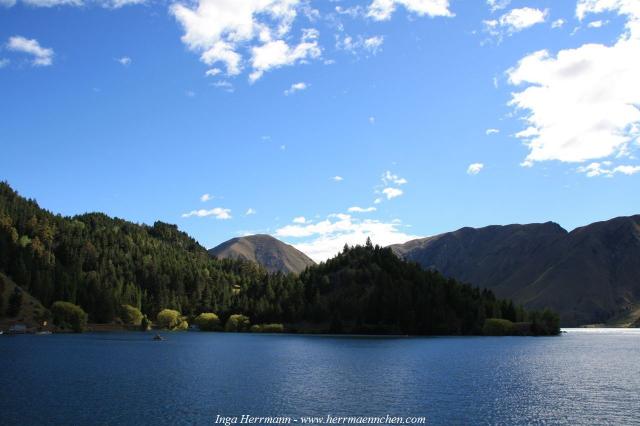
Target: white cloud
point(515, 20)
point(495, 5)
point(206, 197)
point(372, 44)
point(475, 168)
point(492, 131)
point(627, 170)
point(377, 201)
point(124, 61)
point(41, 56)
point(327, 237)
point(4, 62)
point(52, 3)
point(356, 209)
point(372, 120)
point(337, 178)
point(604, 169)
point(295, 87)
point(299, 219)
point(597, 24)
point(220, 29)
point(392, 193)
point(582, 104)
point(218, 213)
point(110, 4)
point(250, 211)
point(212, 72)
point(381, 10)
point(390, 178)
point(224, 85)
point(116, 4)
point(359, 44)
point(277, 53)
point(558, 23)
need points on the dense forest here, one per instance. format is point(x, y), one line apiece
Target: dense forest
point(101, 263)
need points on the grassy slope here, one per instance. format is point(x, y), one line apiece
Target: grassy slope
point(30, 310)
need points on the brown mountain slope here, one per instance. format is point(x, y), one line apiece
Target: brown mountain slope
point(265, 250)
point(589, 275)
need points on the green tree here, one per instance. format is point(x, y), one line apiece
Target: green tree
point(208, 321)
point(70, 316)
point(237, 323)
point(131, 315)
point(145, 324)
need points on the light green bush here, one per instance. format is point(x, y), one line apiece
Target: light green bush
point(68, 315)
point(237, 323)
point(171, 320)
point(208, 321)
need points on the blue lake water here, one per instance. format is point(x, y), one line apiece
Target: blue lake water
point(581, 377)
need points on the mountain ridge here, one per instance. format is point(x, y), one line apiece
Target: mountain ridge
point(588, 275)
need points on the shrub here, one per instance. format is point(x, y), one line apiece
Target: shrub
point(208, 321)
point(171, 320)
point(237, 323)
point(130, 315)
point(68, 315)
point(497, 327)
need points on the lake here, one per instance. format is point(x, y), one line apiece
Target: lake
point(581, 377)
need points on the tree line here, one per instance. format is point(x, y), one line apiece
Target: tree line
point(101, 263)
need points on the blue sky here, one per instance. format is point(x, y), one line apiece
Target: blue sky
point(434, 114)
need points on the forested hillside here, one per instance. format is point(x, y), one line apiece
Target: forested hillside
point(101, 263)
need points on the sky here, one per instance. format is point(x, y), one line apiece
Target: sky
point(323, 122)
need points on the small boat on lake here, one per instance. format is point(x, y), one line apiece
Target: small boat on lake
point(158, 337)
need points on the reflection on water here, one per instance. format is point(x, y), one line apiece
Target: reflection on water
point(585, 376)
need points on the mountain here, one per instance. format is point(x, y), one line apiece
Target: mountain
point(588, 275)
point(271, 253)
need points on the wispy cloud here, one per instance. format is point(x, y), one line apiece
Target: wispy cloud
point(250, 211)
point(218, 213)
point(381, 10)
point(515, 21)
point(356, 209)
point(206, 197)
point(337, 178)
point(296, 87)
point(124, 61)
point(392, 193)
point(326, 238)
point(41, 56)
point(605, 169)
point(475, 168)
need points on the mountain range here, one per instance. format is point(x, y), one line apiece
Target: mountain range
point(590, 275)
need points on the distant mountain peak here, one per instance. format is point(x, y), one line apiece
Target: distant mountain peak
point(271, 253)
